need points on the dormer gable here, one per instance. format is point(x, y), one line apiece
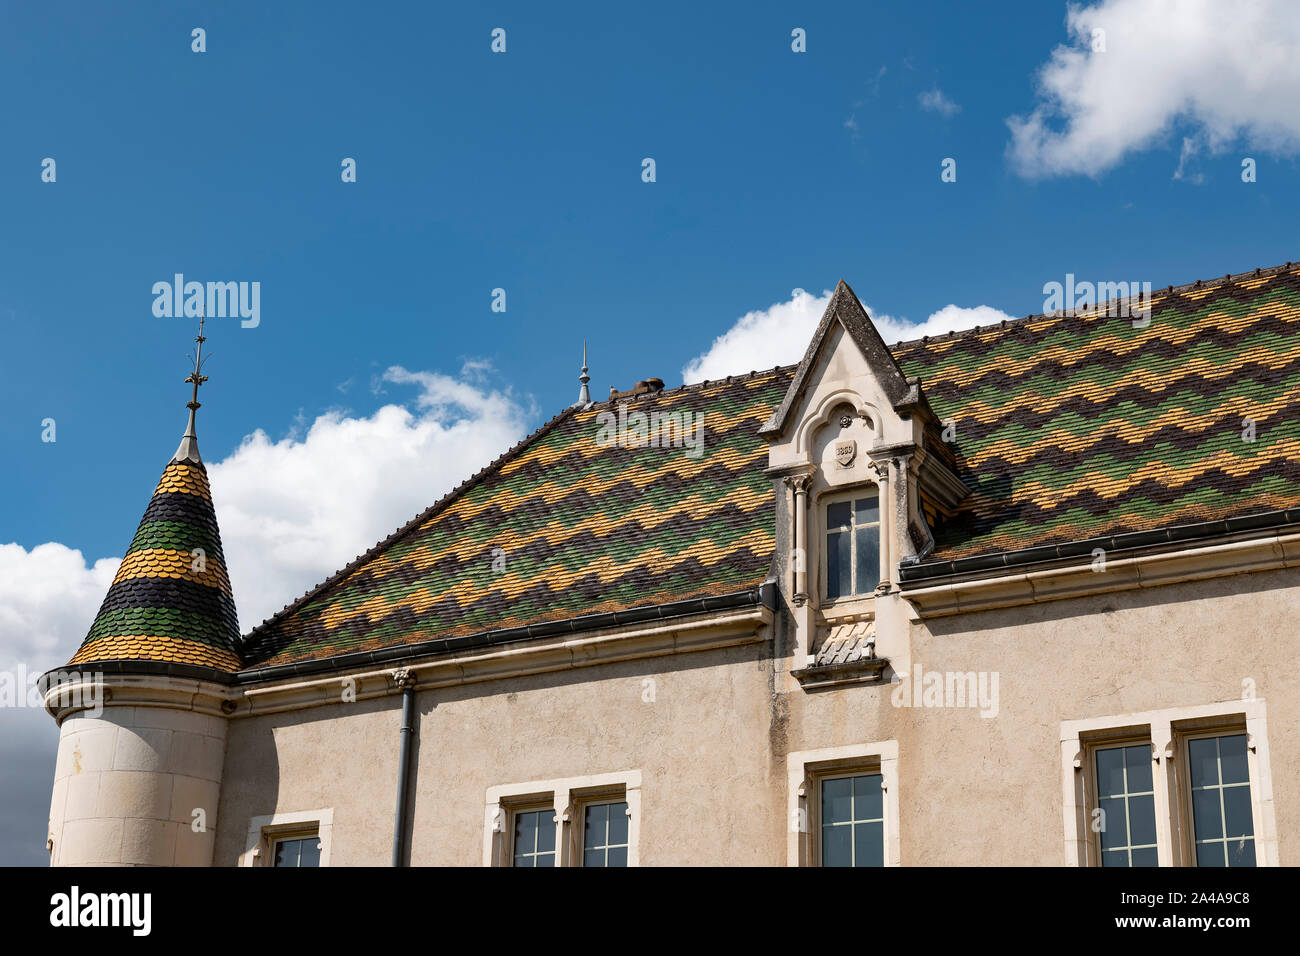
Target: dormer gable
point(866, 475)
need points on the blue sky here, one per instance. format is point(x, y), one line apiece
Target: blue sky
point(775, 170)
point(519, 171)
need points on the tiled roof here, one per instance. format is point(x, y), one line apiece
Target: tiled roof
point(563, 525)
point(1067, 428)
point(170, 600)
point(1079, 427)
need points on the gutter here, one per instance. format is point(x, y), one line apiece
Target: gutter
point(764, 595)
point(931, 570)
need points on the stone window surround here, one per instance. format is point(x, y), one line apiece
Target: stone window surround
point(1166, 731)
point(805, 769)
point(263, 831)
point(568, 796)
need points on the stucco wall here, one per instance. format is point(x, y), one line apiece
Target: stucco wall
point(711, 747)
point(702, 747)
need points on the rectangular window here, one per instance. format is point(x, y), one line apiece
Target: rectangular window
point(604, 835)
point(593, 820)
point(1127, 801)
point(852, 821)
point(1219, 781)
point(534, 842)
point(297, 851)
point(852, 546)
point(1186, 786)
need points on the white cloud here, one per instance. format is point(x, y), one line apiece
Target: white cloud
point(779, 335)
point(294, 511)
point(48, 597)
point(936, 102)
point(1227, 71)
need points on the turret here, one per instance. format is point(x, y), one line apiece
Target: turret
point(142, 733)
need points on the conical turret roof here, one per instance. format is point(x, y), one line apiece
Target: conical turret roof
point(170, 600)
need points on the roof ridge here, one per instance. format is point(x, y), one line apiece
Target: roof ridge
point(433, 509)
point(1167, 291)
point(693, 386)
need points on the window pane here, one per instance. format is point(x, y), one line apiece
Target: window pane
point(838, 582)
point(1110, 771)
point(1232, 758)
point(1241, 853)
point(1205, 815)
point(282, 854)
point(1137, 761)
point(547, 859)
point(309, 853)
point(1114, 858)
point(836, 850)
point(868, 545)
point(617, 856)
point(868, 844)
point(866, 510)
point(1145, 857)
point(1114, 832)
point(1236, 812)
point(1203, 755)
point(593, 858)
point(1209, 854)
point(837, 800)
point(594, 833)
point(617, 823)
point(525, 832)
point(868, 802)
point(545, 824)
point(839, 516)
point(1142, 820)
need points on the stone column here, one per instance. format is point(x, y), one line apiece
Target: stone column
point(799, 557)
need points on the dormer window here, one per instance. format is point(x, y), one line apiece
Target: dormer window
point(852, 558)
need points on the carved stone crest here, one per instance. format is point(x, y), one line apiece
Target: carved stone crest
point(845, 452)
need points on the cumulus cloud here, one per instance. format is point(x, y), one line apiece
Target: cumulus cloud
point(936, 102)
point(1136, 70)
point(779, 334)
point(47, 595)
point(293, 511)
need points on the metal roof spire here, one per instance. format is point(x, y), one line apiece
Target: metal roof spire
point(584, 395)
point(189, 446)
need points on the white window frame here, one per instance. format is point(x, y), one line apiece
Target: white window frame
point(838, 496)
point(806, 769)
point(1167, 732)
point(568, 797)
point(264, 831)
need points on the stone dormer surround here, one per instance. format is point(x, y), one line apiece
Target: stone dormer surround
point(851, 420)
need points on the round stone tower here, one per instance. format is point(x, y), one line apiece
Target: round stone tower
point(140, 705)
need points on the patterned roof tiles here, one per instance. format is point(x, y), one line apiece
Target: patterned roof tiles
point(567, 524)
point(1075, 427)
point(1067, 428)
point(170, 600)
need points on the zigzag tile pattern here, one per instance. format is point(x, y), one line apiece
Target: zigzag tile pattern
point(566, 524)
point(170, 599)
point(1079, 427)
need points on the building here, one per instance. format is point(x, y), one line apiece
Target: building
point(1023, 594)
